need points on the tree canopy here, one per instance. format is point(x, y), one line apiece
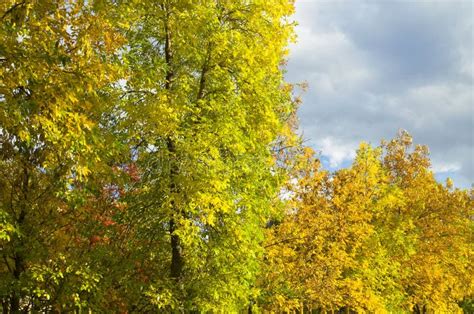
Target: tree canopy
point(149, 162)
point(380, 236)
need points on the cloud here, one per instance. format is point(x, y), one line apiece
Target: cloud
point(374, 67)
point(445, 167)
point(336, 151)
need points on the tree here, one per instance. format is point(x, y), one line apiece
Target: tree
point(380, 236)
point(438, 223)
point(56, 59)
point(209, 76)
point(326, 253)
point(144, 130)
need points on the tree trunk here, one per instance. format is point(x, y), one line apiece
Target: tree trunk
point(18, 258)
point(176, 267)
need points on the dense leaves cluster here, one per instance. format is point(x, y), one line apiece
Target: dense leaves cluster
point(381, 237)
point(148, 163)
point(136, 168)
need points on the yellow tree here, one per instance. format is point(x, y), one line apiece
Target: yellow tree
point(325, 253)
point(438, 226)
point(381, 236)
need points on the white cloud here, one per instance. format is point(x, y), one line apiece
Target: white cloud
point(441, 167)
point(336, 151)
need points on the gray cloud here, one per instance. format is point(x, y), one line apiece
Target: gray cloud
point(376, 66)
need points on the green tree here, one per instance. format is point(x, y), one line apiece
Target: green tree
point(208, 75)
point(137, 169)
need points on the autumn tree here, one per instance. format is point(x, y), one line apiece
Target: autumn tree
point(205, 101)
point(437, 221)
point(381, 236)
point(136, 151)
point(56, 60)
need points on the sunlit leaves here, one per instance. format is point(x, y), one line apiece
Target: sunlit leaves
point(380, 236)
point(127, 127)
point(148, 162)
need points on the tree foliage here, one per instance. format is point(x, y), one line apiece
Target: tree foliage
point(136, 162)
point(380, 236)
point(149, 162)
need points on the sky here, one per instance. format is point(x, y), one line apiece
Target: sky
point(374, 67)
